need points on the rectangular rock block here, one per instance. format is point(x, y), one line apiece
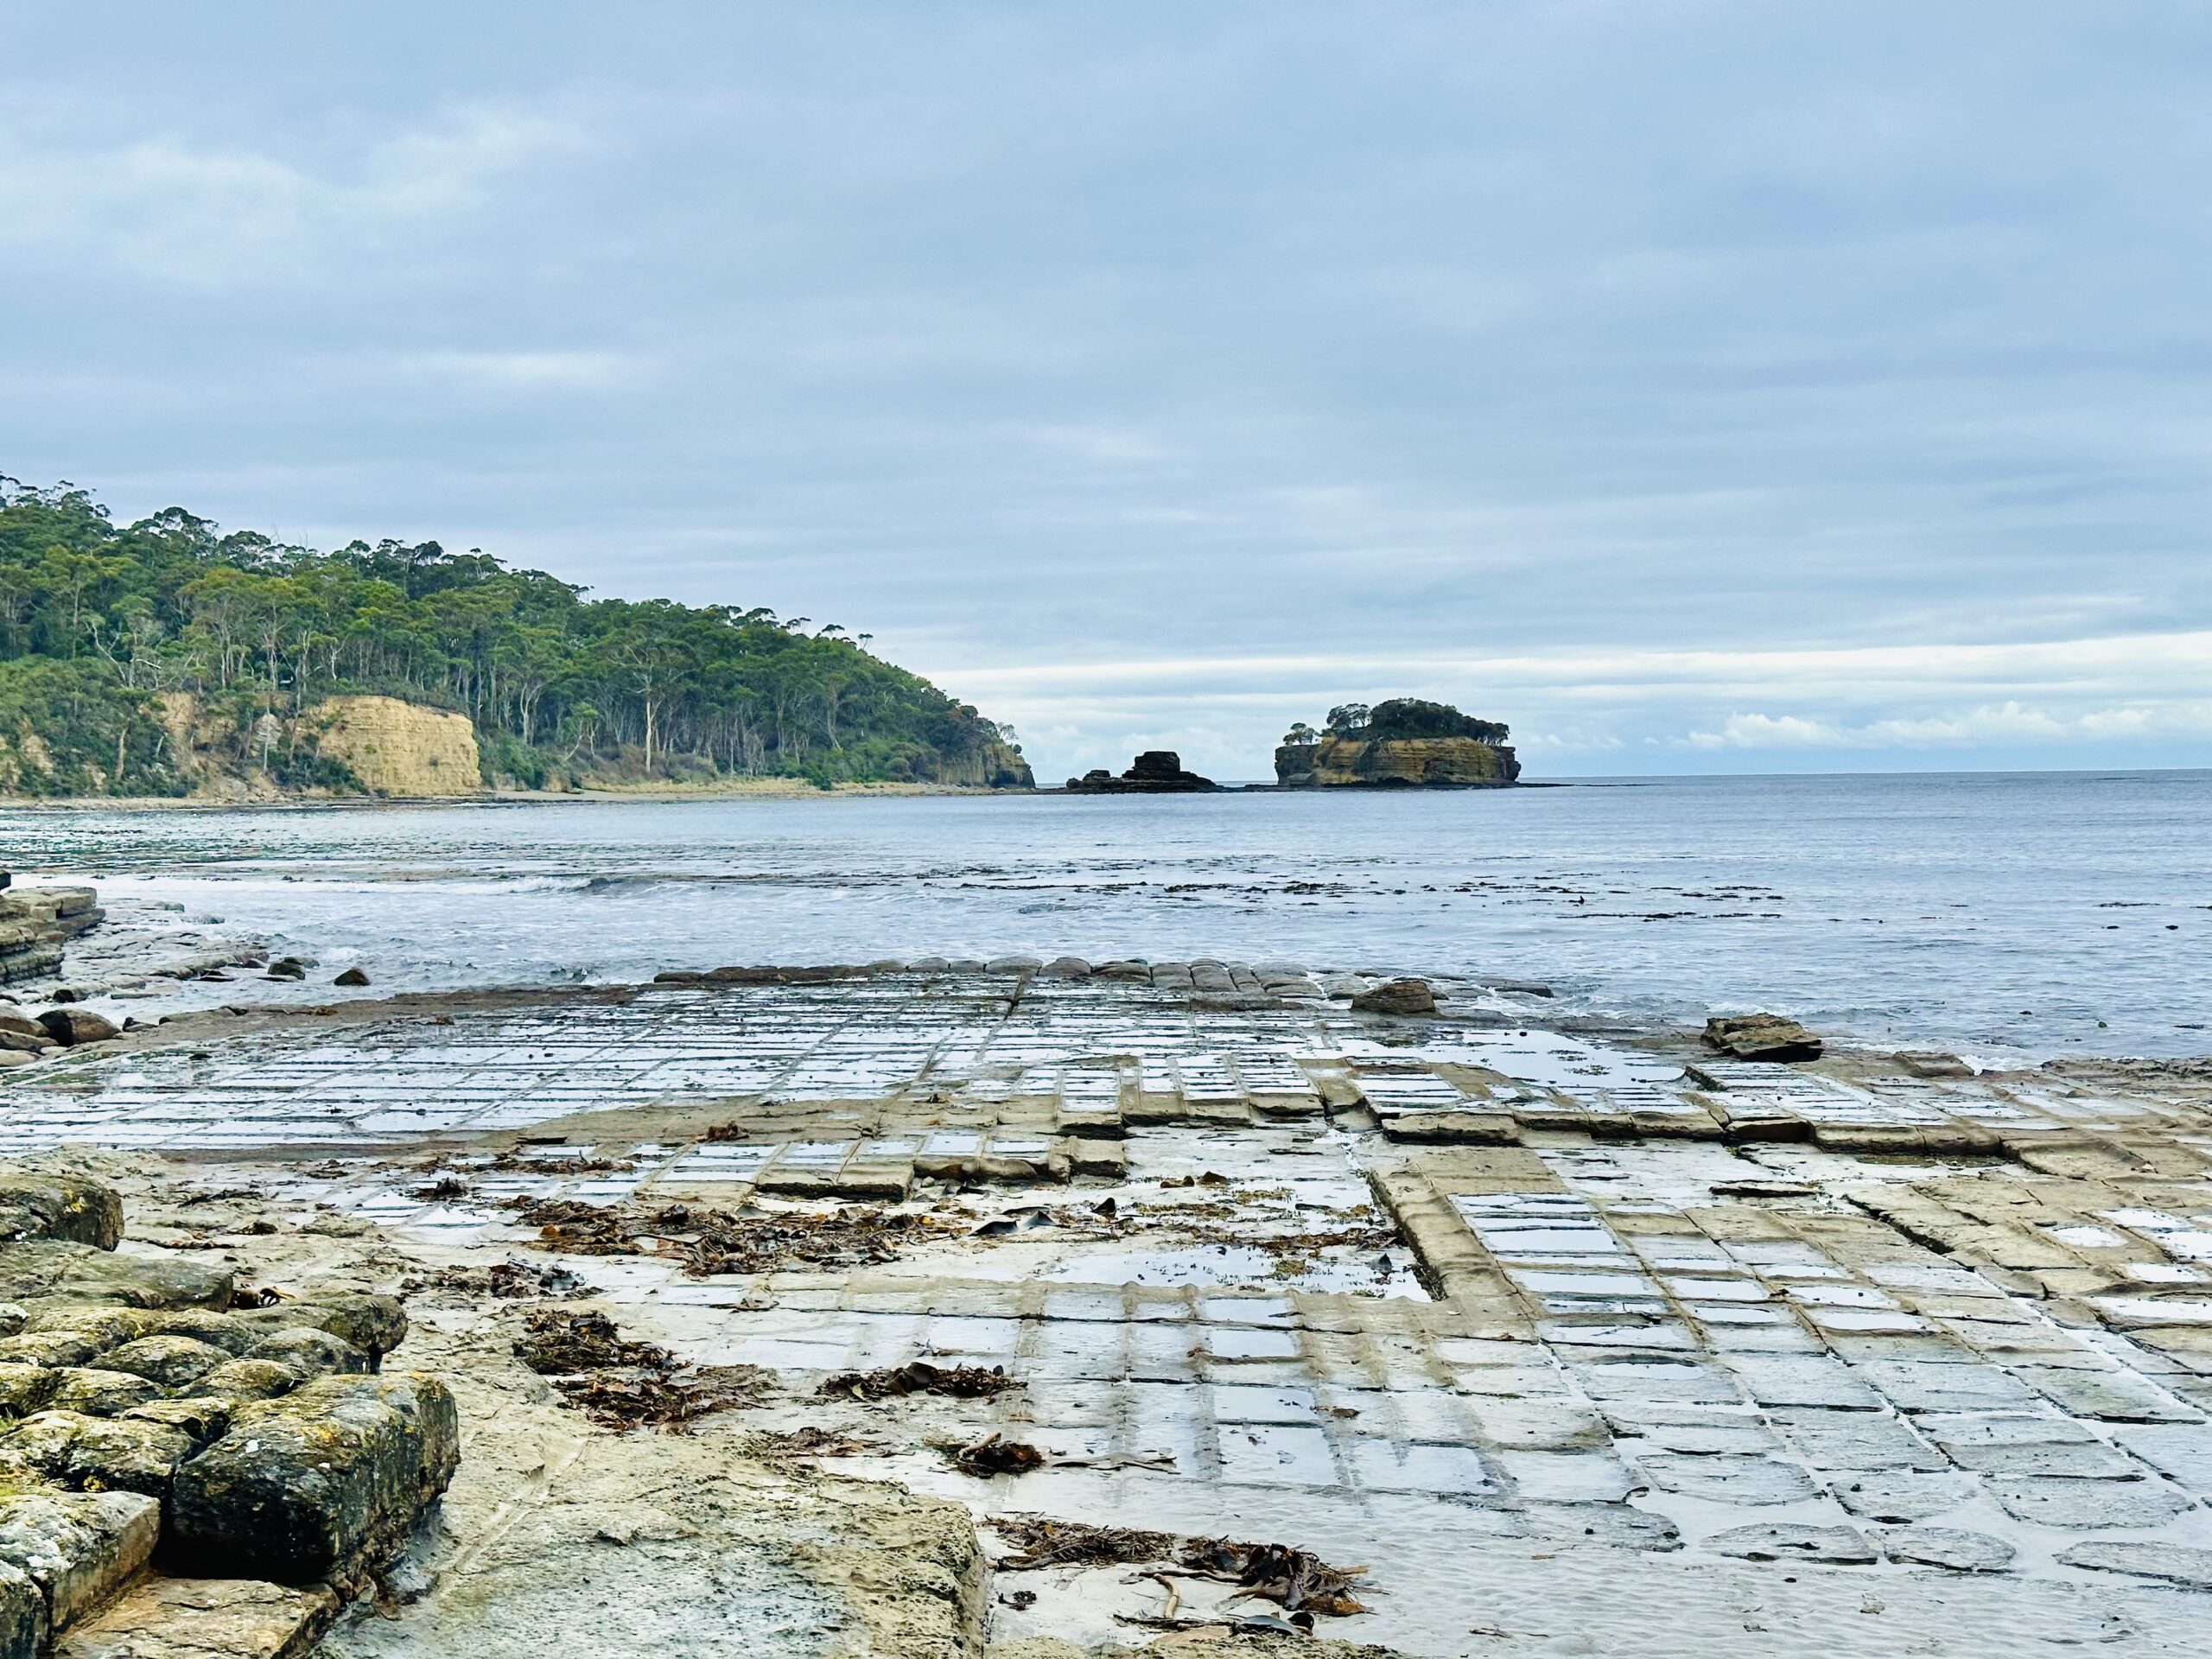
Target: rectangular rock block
point(322, 1482)
point(79, 1548)
point(72, 1207)
point(205, 1618)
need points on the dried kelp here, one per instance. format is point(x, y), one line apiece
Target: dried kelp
point(625, 1384)
point(555, 1343)
point(705, 1241)
point(1296, 1579)
point(920, 1376)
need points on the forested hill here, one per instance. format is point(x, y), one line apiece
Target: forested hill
point(105, 629)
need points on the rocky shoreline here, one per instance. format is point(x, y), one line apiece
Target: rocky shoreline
point(1031, 1306)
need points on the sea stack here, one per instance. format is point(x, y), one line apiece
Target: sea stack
point(1156, 771)
point(1404, 743)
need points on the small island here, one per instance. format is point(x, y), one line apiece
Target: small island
point(1156, 771)
point(1404, 743)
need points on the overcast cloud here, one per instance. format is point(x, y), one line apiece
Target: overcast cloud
point(1697, 386)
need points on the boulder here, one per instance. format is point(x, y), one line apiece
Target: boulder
point(66, 1207)
point(251, 1379)
point(72, 1025)
point(40, 1267)
point(162, 1618)
point(1761, 1037)
point(374, 1324)
point(1065, 968)
point(200, 1416)
point(312, 1352)
point(79, 1548)
point(1399, 996)
point(171, 1361)
point(324, 1483)
point(97, 1392)
point(26, 1388)
point(353, 977)
point(98, 1453)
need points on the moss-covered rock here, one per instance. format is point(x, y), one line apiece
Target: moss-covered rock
point(47, 1268)
point(326, 1482)
point(66, 1207)
point(26, 1388)
point(376, 1325)
point(171, 1361)
point(251, 1379)
point(97, 1392)
point(86, 1453)
point(312, 1353)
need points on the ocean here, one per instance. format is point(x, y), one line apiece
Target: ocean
point(2007, 916)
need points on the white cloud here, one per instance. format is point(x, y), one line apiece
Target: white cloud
point(1768, 732)
point(207, 215)
point(2009, 722)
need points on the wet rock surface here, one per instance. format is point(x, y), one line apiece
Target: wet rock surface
point(1565, 1334)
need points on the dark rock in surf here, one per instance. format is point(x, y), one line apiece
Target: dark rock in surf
point(1156, 771)
point(1399, 996)
point(72, 1025)
point(1761, 1037)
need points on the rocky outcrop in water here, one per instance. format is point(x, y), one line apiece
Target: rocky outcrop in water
point(1403, 743)
point(34, 924)
point(1761, 1037)
point(1156, 771)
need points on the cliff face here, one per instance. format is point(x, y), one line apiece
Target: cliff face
point(398, 748)
point(995, 765)
point(1345, 762)
point(390, 747)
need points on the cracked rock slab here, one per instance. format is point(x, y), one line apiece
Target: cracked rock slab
point(1784, 1541)
point(1946, 1547)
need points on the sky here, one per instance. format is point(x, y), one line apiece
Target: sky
point(1698, 385)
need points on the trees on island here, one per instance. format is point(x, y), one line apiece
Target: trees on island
point(1398, 717)
point(99, 621)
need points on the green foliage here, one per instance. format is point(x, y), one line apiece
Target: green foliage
point(97, 620)
point(73, 728)
point(1404, 717)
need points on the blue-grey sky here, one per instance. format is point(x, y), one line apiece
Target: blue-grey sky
point(1697, 384)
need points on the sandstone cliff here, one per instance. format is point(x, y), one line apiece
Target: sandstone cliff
point(1342, 762)
point(398, 748)
point(994, 765)
point(385, 746)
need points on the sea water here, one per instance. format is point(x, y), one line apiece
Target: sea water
point(2007, 915)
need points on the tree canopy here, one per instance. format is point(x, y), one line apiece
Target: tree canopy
point(1400, 717)
point(99, 622)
